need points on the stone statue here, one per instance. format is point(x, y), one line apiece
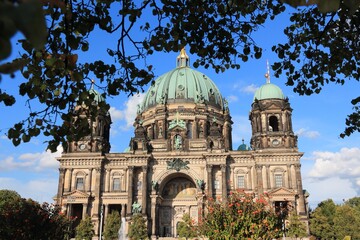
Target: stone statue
point(136, 207)
point(178, 142)
point(160, 132)
point(200, 183)
point(155, 185)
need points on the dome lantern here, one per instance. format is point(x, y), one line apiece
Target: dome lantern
point(268, 90)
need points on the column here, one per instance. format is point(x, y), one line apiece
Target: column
point(233, 180)
point(106, 211)
point(249, 183)
point(84, 212)
point(209, 180)
point(68, 210)
point(144, 190)
point(130, 190)
point(268, 183)
point(68, 188)
point(61, 184)
point(153, 214)
point(223, 180)
point(88, 186)
point(107, 180)
point(97, 192)
point(289, 175)
point(259, 178)
point(123, 210)
point(301, 205)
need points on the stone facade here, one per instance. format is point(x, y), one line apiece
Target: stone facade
point(181, 154)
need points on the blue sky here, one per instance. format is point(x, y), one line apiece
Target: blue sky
point(330, 165)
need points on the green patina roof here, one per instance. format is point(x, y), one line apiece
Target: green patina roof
point(97, 96)
point(182, 84)
point(243, 147)
point(269, 91)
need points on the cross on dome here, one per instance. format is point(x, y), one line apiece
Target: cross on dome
point(267, 74)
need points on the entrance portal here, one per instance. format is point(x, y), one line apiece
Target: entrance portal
point(179, 198)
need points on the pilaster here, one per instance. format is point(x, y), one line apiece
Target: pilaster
point(130, 189)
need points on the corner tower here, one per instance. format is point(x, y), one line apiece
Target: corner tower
point(270, 118)
point(98, 139)
point(182, 111)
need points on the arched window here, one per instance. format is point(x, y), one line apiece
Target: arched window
point(273, 124)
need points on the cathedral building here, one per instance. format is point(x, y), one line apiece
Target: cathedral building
point(181, 154)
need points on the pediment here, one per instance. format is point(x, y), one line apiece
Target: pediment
point(273, 106)
point(76, 197)
point(177, 129)
point(282, 192)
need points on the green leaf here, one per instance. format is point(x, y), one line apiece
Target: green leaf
point(32, 22)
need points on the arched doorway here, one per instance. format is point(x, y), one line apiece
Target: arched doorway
point(178, 198)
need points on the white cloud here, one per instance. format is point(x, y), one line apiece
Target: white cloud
point(333, 187)
point(128, 113)
point(250, 89)
point(41, 190)
point(232, 98)
point(130, 110)
point(116, 114)
point(32, 161)
point(344, 164)
point(303, 132)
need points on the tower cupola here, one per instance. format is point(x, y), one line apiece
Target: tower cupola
point(270, 118)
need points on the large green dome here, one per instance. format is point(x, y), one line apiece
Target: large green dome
point(269, 91)
point(183, 84)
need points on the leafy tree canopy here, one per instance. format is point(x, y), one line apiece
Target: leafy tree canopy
point(85, 229)
point(187, 228)
point(112, 226)
point(26, 219)
point(347, 222)
point(240, 217)
point(296, 228)
point(331, 221)
point(8, 196)
point(321, 49)
point(138, 228)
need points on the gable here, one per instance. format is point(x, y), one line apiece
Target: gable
point(76, 197)
point(282, 192)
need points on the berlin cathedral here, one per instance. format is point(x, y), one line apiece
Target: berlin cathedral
point(181, 154)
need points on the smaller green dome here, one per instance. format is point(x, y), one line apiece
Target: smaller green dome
point(97, 96)
point(243, 147)
point(269, 91)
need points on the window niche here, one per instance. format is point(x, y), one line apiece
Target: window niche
point(273, 124)
point(116, 185)
point(240, 178)
point(279, 174)
point(240, 181)
point(117, 182)
point(80, 181)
